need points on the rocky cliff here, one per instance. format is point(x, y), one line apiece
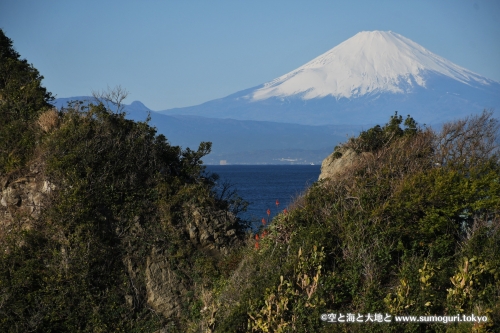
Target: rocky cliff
point(213, 232)
point(22, 198)
point(340, 160)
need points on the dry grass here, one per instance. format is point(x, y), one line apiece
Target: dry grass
point(48, 120)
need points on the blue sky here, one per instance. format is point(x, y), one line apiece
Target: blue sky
point(181, 53)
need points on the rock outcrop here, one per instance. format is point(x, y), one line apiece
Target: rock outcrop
point(336, 162)
point(22, 198)
point(340, 160)
point(163, 286)
point(213, 232)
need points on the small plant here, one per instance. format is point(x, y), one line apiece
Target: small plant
point(471, 283)
point(411, 295)
point(292, 297)
point(48, 120)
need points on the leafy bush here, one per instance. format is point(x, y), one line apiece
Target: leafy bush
point(412, 229)
point(121, 194)
point(22, 99)
point(377, 137)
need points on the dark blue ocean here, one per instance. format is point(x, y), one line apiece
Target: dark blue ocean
point(262, 185)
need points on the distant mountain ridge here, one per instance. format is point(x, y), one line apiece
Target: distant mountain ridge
point(240, 141)
point(360, 81)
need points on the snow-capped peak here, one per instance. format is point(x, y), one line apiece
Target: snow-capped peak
point(369, 62)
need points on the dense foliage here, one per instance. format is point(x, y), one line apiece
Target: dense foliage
point(411, 228)
point(119, 193)
point(22, 99)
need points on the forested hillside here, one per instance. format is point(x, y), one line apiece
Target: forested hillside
point(409, 226)
point(105, 226)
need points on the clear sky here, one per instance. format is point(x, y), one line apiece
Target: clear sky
point(181, 53)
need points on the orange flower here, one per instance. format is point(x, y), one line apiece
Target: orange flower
point(263, 221)
point(285, 211)
point(256, 237)
point(268, 212)
point(264, 233)
point(257, 245)
point(277, 203)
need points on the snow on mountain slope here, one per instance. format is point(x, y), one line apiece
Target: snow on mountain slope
point(370, 62)
point(362, 81)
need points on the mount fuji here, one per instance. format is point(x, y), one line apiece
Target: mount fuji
point(362, 81)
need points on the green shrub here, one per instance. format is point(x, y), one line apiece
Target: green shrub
point(22, 100)
point(412, 231)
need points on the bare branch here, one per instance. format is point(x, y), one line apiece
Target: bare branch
point(468, 141)
point(112, 99)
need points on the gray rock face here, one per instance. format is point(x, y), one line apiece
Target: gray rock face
point(163, 287)
point(333, 165)
point(211, 231)
point(21, 199)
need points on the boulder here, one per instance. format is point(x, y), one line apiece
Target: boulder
point(22, 199)
point(336, 162)
point(340, 160)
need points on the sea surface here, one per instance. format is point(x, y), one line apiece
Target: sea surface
point(262, 185)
